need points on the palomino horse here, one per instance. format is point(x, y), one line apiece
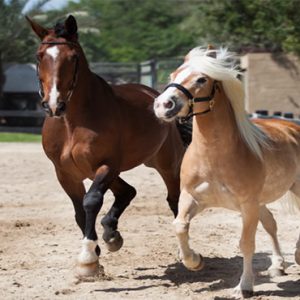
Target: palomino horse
point(94, 130)
point(231, 161)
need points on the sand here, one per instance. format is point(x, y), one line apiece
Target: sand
point(40, 241)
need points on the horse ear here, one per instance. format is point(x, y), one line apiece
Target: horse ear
point(211, 53)
point(40, 31)
point(71, 25)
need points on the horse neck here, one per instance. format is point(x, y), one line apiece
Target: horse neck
point(216, 132)
point(88, 96)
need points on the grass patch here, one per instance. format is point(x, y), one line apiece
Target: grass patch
point(19, 137)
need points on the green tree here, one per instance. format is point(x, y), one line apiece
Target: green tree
point(133, 30)
point(16, 42)
point(256, 25)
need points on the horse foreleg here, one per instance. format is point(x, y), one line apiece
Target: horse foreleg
point(269, 224)
point(250, 216)
point(187, 209)
point(76, 191)
point(123, 193)
point(92, 203)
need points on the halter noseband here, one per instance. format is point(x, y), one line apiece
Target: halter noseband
point(193, 100)
point(75, 75)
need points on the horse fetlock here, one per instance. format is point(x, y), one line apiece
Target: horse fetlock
point(114, 241)
point(277, 267)
point(89, 252)
point(241, 293)
point(276, 272)
point(245, 286)
point(109, 223)
point(193, 262)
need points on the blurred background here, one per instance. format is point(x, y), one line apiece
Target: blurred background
point(143, 41)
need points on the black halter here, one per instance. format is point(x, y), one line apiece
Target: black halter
point(75, 75)
point(193, 100)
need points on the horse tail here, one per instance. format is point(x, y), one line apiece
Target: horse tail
point(185, 129)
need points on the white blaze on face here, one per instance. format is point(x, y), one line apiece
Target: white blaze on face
point(54, 93)
point(159, 108)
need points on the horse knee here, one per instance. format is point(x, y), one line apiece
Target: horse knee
point(181, 228)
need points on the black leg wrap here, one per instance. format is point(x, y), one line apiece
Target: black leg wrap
point(92, 203)
point(111, 236)
point(110, 225)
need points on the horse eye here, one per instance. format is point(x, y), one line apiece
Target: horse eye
point(201, 80)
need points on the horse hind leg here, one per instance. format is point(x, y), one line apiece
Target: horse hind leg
point(295, 189)
point(269, 224)
point(123, 193)
point(187, 209)
point(172, 182)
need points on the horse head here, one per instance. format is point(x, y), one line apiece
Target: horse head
point(187, 87)
point(57, 64)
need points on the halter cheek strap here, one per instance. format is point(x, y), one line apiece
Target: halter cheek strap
point(193, 100)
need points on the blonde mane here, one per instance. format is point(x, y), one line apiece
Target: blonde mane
point(223, 68)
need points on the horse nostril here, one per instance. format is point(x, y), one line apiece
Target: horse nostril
point(61, 106)
point(169, 104)
point(45, 105)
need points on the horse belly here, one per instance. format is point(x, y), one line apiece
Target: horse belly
point(276, 185)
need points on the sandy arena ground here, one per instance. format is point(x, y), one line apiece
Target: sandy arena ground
point(39, 242)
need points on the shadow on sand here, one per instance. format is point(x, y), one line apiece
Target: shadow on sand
point(223, 273)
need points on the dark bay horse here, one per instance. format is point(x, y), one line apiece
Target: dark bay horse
point(96, 131)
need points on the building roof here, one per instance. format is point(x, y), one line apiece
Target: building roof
point(20, 78)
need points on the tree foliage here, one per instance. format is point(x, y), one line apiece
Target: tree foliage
point(134, 30)
point(16, 42)
point(137, 30)
point(256, 25)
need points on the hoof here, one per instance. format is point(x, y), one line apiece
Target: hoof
point(241, 294)
point(115, 243)
point(89, 270)
point(297, 256)
point(276, 272)
point(200, 263)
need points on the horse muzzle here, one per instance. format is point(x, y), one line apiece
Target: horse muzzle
point(167, 109)
point(58, 111)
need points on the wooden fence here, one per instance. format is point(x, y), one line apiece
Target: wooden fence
point(152, 73)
